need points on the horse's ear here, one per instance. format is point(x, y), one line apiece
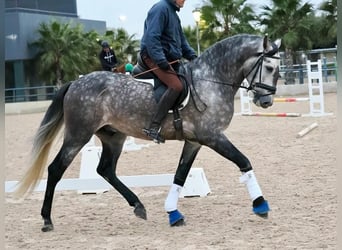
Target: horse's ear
point(266, 42)
point(268, 45)
point(278, 42)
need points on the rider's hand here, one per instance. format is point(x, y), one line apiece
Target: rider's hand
point(164, 65)
point(192, 58)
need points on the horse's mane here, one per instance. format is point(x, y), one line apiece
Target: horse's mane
point(230, 53)
point(241, 43)
point(238, 39)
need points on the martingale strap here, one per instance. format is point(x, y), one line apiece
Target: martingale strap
point(199, 104)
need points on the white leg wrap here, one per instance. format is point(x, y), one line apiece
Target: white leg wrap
point(252, 184)
point(172, 198)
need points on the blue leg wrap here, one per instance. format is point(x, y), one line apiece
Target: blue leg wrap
point(174, 217)
point(263, 208)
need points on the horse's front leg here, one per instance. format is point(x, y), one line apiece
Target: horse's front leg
point(189, 153)
point(221, 144)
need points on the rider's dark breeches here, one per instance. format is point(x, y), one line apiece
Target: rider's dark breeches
point(168, 77)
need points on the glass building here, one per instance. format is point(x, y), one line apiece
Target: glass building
point(22, 19)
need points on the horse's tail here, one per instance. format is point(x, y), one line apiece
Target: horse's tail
point(47, 131)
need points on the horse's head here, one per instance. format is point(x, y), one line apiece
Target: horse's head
point(262, 72)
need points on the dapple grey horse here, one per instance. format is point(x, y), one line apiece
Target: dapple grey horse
point(114, 106)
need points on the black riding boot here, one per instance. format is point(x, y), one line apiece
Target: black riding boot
point(165, 104)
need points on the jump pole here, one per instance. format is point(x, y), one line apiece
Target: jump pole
point(89, 182)
point(273, 114)
point(307, 130)
point(291, 99)
point(196, 183)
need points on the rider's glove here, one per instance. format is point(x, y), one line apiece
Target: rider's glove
point(164, 65)
point(192, 58)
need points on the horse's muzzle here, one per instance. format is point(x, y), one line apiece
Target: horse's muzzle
point(263, 101)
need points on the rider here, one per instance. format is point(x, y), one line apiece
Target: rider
point(107, 57)
point(162, 45)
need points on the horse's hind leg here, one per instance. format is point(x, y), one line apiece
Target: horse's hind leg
point(188, 156)
point(55, 173)
point(112, 144)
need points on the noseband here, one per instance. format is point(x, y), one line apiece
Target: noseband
point(258, 67)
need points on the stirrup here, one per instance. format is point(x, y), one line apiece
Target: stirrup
point(154, 134)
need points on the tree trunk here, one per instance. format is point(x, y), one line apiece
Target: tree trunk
point(59, 82)
point(289, 70)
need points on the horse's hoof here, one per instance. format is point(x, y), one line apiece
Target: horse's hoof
point(140, 211)
point(179, 223)
point(262, 210)
point(47, 228)
point(176, 218)
point(264, 216)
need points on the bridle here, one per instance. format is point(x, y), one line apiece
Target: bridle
point(258, 67)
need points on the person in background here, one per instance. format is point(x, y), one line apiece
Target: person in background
point(162, 46)
point(107, 57)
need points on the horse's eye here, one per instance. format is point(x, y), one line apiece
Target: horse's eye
point(269, 68)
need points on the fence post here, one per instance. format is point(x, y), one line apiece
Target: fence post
point(301, 74)
point(335, 65)
point(325, 69)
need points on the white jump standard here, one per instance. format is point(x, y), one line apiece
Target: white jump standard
point(315, 99)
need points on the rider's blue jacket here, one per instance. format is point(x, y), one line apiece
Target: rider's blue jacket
point(163, 37)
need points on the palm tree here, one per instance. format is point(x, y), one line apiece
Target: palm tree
point(91, 48)
point(190, 34)
point(63, 52)
point(223, 18)
point(329, 16)
point(288, 19)
point(322, 37)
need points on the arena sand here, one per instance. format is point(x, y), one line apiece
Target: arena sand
point(297, 177)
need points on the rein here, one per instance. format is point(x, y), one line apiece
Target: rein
point(257, 66)
point(149, 70)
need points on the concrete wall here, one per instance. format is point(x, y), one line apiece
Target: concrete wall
point(21, 29)
point(282, 90)
point(26, 107)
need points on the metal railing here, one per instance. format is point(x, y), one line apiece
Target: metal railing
point(42, 93)
point(299, 72)
point(27, 94)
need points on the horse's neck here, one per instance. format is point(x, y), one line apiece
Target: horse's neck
point(226, 76)
point(220, 69)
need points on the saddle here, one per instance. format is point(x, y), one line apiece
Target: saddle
point(142, 72)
